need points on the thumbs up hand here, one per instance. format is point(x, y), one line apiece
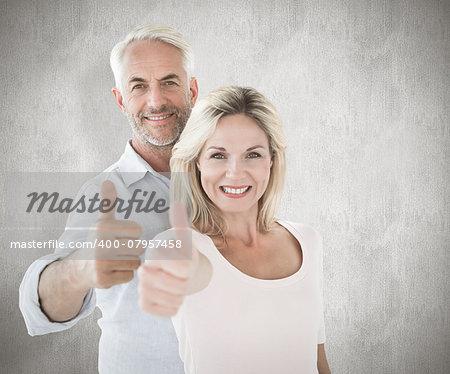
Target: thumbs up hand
point(169, 274)
point(107, 265)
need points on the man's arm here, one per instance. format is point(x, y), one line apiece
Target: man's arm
point(56, 289)
point(64, 284)
point(61, 294)
point(36, 321)
point(322, 363)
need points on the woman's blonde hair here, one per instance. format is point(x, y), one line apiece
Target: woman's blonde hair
point(185, 179)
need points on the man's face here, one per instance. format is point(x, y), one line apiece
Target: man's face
point(156, 96)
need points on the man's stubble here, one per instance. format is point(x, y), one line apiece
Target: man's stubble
point(144, 133)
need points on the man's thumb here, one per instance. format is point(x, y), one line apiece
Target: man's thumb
point(108, 196)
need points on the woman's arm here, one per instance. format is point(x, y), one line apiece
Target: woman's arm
point(322, 363)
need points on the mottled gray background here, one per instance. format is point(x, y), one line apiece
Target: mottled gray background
point(363, 90)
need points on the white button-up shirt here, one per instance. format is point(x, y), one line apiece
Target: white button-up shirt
point(132, 341)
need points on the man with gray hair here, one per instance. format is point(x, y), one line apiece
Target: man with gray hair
point(155, 90)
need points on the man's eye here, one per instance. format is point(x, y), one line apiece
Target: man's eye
point(217, 156)
point(169, 83)
point(254, 155)
point(137, 87)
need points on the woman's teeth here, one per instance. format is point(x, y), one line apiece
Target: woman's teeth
point(235, 191)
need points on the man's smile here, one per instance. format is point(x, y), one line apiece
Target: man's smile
point(157, 118)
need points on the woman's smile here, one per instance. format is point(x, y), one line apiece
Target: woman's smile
point(235, 192)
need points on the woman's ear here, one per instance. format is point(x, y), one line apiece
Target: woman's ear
point(198, 164)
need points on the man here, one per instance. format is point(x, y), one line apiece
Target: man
point(155, 90)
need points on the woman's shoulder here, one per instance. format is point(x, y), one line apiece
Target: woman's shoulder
point(198, 235)
point(308, 237)
point(202, 242)
point(300, 228)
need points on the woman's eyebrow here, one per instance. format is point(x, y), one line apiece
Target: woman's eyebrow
point(223, 149)
point(254, 147)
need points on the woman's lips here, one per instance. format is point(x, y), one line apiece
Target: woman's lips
point(235, 191)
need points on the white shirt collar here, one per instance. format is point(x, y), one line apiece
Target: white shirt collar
point(132, 166)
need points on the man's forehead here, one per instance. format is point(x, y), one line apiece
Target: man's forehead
point(151, 59)
point(152, 52)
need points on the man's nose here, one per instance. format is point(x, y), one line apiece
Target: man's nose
point(156, 97)
point(235, 168)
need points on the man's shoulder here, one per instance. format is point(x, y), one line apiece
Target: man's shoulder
point(112, 168)
point(93, 184)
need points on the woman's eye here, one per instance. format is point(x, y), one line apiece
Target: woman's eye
point(254, 155)
point(217, 156)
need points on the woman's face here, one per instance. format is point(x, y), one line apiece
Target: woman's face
point(235, 164)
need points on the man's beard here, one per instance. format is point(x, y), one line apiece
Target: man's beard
point(144, 134)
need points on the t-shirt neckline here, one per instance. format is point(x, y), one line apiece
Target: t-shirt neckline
point(270, 283)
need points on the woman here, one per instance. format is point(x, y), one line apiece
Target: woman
point(262, 309)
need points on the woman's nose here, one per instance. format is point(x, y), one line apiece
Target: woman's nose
point(235, 168)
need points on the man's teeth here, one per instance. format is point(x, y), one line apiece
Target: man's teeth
point(158, 118)
point(235, 191)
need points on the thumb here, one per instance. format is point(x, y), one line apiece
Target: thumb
point(180, 224)
point(109, 197)
point(178, 216)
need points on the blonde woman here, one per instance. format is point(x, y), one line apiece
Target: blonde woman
point(261, 310)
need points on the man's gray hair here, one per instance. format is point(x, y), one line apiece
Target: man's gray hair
point(152, 32)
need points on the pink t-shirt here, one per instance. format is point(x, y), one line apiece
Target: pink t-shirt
point(244, 325)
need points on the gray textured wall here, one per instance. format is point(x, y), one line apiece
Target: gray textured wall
point(363, 90)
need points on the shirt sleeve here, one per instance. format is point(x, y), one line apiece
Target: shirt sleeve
point(36, 321)
point(321, 338)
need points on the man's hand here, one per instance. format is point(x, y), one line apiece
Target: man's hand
point(171, 274)
point(105, 267)
point(64, 284)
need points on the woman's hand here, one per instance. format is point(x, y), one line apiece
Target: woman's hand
point(169, 274)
